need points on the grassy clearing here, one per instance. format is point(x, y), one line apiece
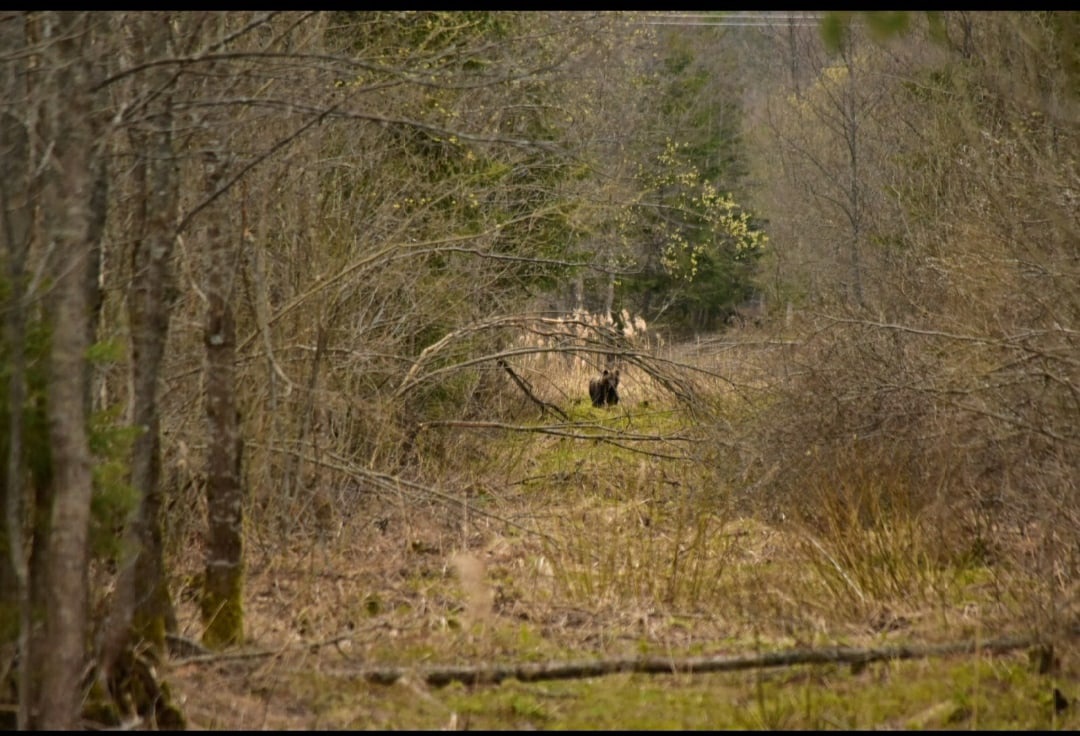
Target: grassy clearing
point(955, 695)
point(559, 549)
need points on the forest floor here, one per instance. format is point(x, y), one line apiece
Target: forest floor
point(561, 550)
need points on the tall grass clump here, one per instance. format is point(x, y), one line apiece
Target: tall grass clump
point(654, 540)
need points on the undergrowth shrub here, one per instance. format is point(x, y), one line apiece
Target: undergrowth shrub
point(907, 452)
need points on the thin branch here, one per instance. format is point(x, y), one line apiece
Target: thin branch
point(250, 165)
point(556, 432)
point(337, 62)
point(395, 484)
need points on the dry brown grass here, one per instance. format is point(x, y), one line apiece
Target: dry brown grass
point(541, 547)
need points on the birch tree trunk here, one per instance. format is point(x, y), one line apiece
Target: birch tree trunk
point(222, 600)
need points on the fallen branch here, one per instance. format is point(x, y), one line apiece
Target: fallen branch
point(230, 656)
point(181, 646)
point(527, 390)
point(205, 656)
point(493, 674)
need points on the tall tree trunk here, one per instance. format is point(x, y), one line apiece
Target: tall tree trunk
point(222, 601)
point(28, 90)
point(15, 229)
point(852, 122)
point(70, 224)
point(142, 609)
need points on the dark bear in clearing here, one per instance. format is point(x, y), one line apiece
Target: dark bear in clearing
point(603, 390)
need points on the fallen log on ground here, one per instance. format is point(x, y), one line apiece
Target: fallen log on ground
point(855, 656)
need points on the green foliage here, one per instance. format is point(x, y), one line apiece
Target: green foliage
point(114, 499)
point(883, 25)
point(104, 352)
point(36, 460)
point(705, 114)
point(693, 246)
point(36, 448)
point(705, 246)
point(887, 24)
point(936, 21)
point(390, 36)
point(1067, 35)
point(110, 443)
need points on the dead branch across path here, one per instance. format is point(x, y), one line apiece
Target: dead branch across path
point(493, 674)
point(528, 391)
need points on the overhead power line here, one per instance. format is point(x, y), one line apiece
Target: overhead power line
point(731, 20)
point(722, 25)
point(730, 16)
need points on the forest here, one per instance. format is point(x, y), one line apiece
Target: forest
point(514, 370)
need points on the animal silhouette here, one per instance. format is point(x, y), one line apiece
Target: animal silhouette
point(603, 390)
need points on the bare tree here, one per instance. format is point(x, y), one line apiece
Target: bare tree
point(826, 136)
point(142, 608)
point(15, 231)
point(222, 604)
point(74, 135)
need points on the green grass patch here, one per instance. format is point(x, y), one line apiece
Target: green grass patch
point(972, 693)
